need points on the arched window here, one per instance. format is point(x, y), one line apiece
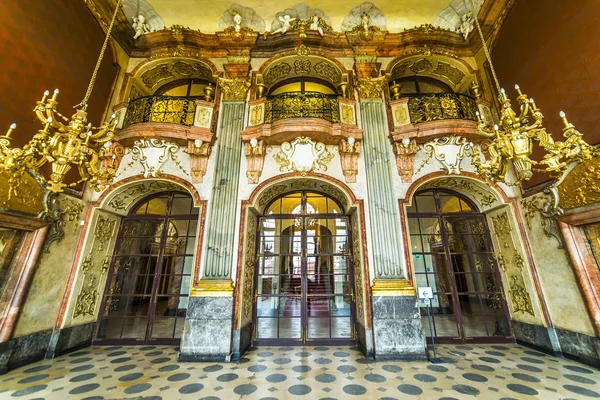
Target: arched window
point(192, 88)
point(413, 85)
point(303, 85)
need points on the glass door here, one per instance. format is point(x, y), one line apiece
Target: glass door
point(303, 289)
point(452, 253)
point(149, 281)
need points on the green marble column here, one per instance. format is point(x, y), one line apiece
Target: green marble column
point(220, 246)
point(383, 206)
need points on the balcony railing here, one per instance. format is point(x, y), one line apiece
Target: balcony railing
point(440, 106)
point(302, 105)
point(163, 109)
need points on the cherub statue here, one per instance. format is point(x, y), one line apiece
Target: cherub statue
point(286, 24)
point(140, 26)
point(237, 22)
point(315, 24)
point(466, 25)
point(365, 21)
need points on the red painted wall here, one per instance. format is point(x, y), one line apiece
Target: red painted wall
point(48, 44)
point(551, 48)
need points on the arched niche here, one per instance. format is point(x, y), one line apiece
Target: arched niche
point(454, 72)
point(290, 67)
point(149, 76)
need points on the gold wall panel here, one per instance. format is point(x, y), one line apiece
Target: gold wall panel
point(581, 187)
point(22, 194)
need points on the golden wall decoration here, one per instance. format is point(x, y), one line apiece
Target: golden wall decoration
point(302, 184)
point(581, 187)
point(152, 165)
point(421, 66)
point(347, 114)
point(66, 212)
point(94, 266)
point(21, 193)
point(256, 115)
point(249, 264)
point(371, 88)
point(302, 66)
point(278, 72)
point(502, 229)
point(358, 276)
point(520, 299)
point(175, 69)
point(446, 70)
point(328, 71)
point(234, 89)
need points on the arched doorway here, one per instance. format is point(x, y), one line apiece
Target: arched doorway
point(304, 279)
point(452, 253)
point(146, 295)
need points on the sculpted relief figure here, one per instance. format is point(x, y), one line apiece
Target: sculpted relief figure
point(466, 25)
point(286, 23)
point(237, 22)
point(140, 26)
point(315, 24)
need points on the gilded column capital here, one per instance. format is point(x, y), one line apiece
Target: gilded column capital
point(234, 89)
point(371, 88)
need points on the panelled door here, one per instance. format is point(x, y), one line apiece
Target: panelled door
point(304, 283)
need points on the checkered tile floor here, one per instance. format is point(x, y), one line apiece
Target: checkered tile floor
point(152, 372)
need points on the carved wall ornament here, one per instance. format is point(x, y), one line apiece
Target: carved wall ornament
point(520, 299)
point(328, 71)
point(302, 184)
point(249, 264)
point(519, 261)
point(420, 66)
point(175, 69)
point(257, 115)
point(67, 212)
point(371, 88)
point(347, 114)
point(277, 72)
point(255, 158)
point(449, 151)
point(482, 196)
point(103, 232)
point(302, 51)
point(302, 66)
point(203, 116)
point(234, 89)
point(546, 206)
point(271, 193)
point(400, 114)
point(349, 151)
point(358, 276)
point(502, 228)
point(125, 199)
point(446, 70)
point(466, 25)
point(199, 154)
point(153, 154)
point(21, 192)
point(303, 155)
point(405, 151)
point(581, 186)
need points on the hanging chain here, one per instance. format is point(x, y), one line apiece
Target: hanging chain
point(83, 103)
point(485, 48)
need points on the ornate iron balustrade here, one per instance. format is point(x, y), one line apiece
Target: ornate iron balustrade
point(440, 106)
point(165, 109)
point(302, 105)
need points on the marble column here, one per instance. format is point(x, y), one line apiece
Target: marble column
point(207, 334)
point(397, 330)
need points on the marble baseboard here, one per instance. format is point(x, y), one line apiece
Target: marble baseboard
point(208, 330)
point(70, 339)
point(397, 333)
point(365, 341)
point(27, 349)
point(572, 345)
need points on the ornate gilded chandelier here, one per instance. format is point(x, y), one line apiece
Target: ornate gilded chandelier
point(66, 142)
point(514, 136)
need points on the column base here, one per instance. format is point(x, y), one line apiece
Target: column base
point(397, 331)
point(207, 330)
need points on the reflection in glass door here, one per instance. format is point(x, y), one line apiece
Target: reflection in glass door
point(149, 281)
point(303, 291)
point(452, 253)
